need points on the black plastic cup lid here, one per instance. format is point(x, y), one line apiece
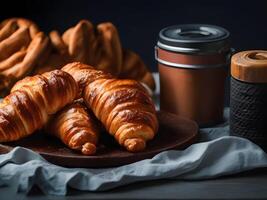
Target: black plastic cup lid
point(194, 38)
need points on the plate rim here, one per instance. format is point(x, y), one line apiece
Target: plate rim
point(128, 155)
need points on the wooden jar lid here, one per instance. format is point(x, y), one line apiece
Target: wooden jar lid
point(250, 66)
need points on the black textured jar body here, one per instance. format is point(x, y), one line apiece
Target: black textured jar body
point(248, 111)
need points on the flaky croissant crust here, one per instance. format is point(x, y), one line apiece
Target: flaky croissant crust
point(77, 127)
point(32, 100)
point(123, 106)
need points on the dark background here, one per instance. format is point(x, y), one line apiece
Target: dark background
point(139, 21)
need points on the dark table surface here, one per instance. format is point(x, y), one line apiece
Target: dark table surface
point(246, 185)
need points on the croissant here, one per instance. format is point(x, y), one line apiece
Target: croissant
point(123, 106)
point(32, 100)
point(22, 47)
point(77, 127)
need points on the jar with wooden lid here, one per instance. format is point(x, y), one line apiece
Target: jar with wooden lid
point(248, 99)
point(193, 61)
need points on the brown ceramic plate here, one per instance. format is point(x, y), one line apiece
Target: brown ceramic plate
point(174, 133)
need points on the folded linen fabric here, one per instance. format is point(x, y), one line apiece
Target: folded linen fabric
point(216, 154)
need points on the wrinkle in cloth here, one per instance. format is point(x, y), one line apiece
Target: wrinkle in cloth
point(217, 154)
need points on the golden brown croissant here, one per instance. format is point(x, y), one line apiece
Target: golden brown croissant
point(123, 106)
point(32, 100)
point(22, 46)
point(76, 127)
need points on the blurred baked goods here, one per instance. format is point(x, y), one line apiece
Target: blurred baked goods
point(22, 46)
point(24, 49)
point(135, 68)
point(98, 46)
